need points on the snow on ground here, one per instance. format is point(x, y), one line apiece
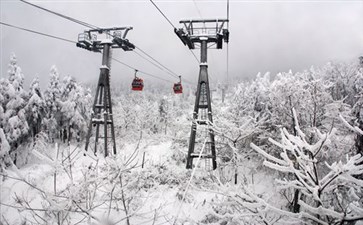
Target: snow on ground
point(162, 184)
point(11, 188)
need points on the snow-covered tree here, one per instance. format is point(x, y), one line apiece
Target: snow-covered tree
point(358, 109)
point(4, 150)
point(4, 99)
point(163, 114)
point(137, 113)
point(52, 97)
point(67, 108)
point(74, 105)
point(14, 123)
point(252, 98)
point(35, 108)
point(16, 76)
point(288, 90)
point(330, 191)
point(344, 80)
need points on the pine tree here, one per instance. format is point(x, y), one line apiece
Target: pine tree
point(75, 103)
point(52, 97)
point(35, 108)
point(15, 124)
point(4, 99)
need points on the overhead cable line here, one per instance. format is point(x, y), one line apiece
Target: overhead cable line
point(200, 14)
point(73, 42)
point(185, 80)
point(172, 26)
point(151, 75)
point(37, 32)
point(196, 58)
point(163, 14)
point(61, 15)
point(160, 66)
point(156, 64)
point(196, 6)
point(140, 71)
point(170, 72)
point(92, 27)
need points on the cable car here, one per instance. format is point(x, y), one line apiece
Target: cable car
point(137, 83)
point(178, 88)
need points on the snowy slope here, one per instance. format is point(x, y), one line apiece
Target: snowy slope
point(156, 191)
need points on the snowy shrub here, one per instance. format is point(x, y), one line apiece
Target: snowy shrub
point(153, 177)
point(210, 218)
point(184, 196)
point(137, 113)
point(41, 143)
point(178, 155)
point(238, 204)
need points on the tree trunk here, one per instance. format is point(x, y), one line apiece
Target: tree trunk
point(359, 145)
point(295, 203)
point(359, 140)
point(69, 135)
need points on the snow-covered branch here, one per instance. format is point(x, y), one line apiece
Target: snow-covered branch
point(301, 159)
point(354, 129)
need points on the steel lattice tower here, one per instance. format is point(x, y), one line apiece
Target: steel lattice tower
point(102, 106)
point(204, 34)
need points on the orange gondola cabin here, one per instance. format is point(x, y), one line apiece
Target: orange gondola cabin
point(137, 83)
point(178, 88)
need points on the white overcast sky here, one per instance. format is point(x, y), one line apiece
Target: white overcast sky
point(264, 36)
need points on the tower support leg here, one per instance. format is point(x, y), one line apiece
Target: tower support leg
point(202, 115)
point(102, 108)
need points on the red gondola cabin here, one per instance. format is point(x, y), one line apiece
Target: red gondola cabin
point(137, 83)
point(178, 88)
